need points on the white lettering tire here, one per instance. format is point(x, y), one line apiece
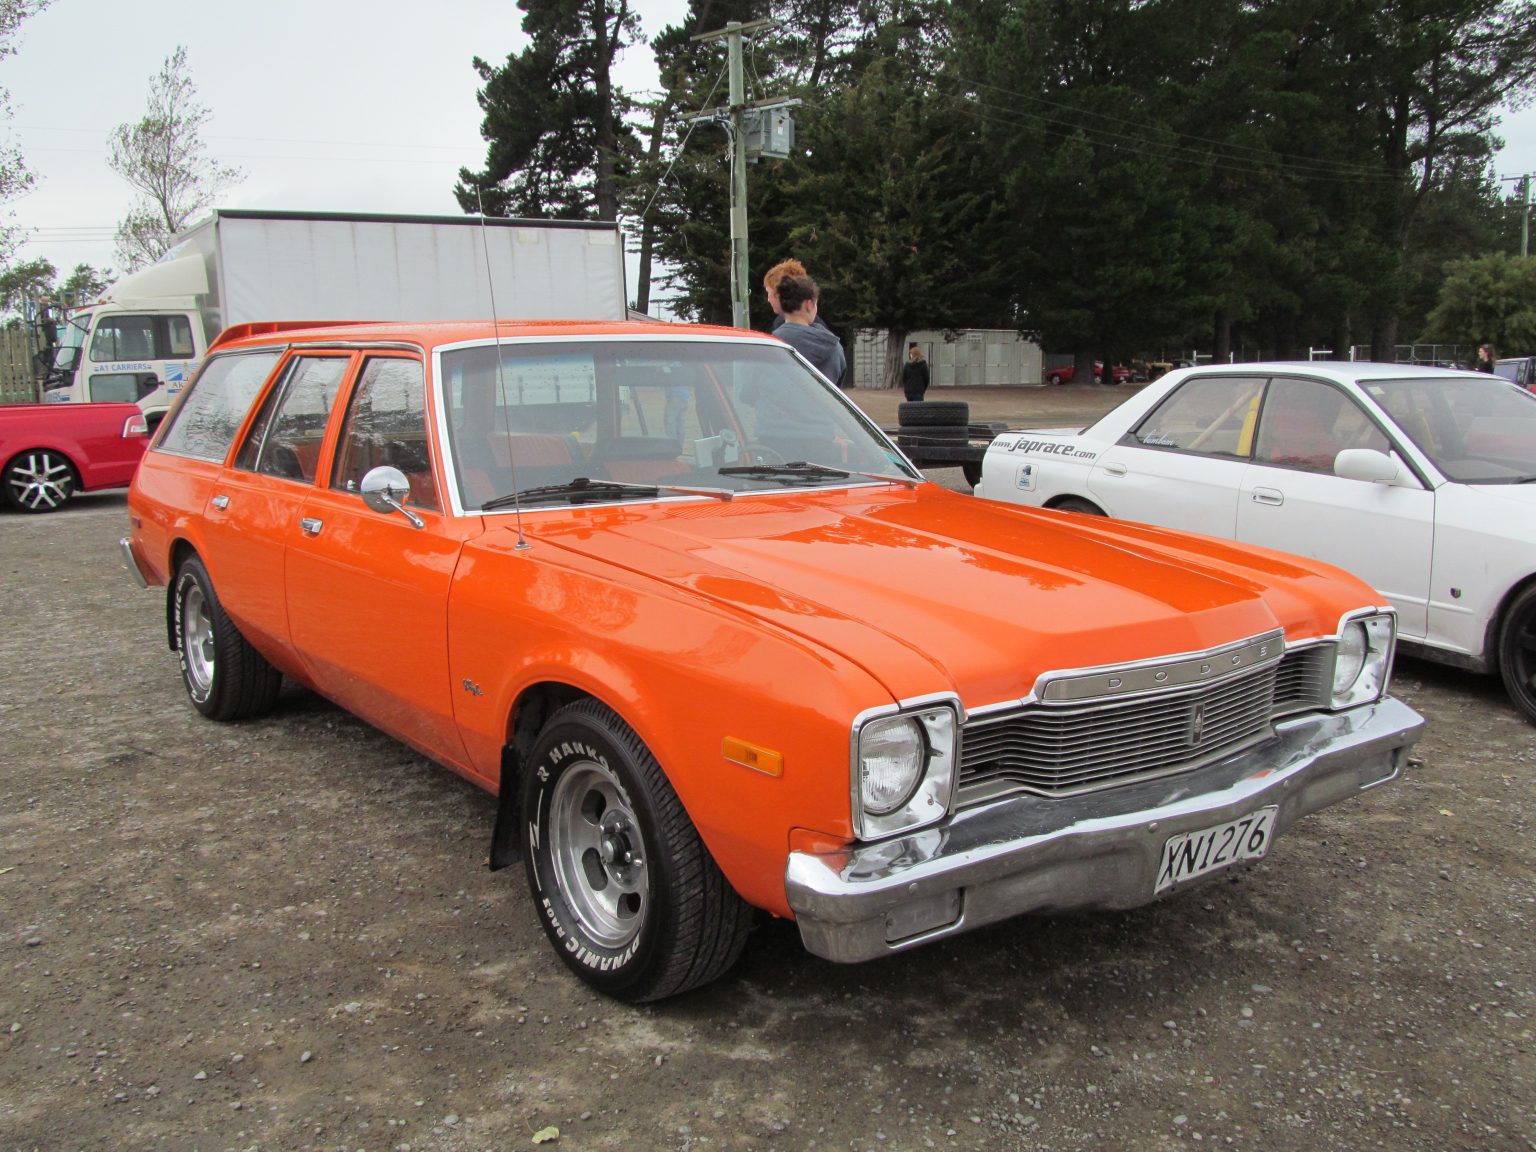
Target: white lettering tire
point(625, 889)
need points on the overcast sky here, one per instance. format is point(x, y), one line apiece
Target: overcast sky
point(327, 105)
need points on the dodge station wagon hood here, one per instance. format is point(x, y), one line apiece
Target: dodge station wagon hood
point(934, 591)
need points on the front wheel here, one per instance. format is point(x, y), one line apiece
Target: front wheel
point(626, 891)
point(1517, 652)
point(39, 481)
point(225, 678)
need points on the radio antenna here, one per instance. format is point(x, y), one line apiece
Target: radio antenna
point(501, 382)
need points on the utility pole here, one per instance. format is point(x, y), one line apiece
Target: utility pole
point(734, 118)
point(1523, 190)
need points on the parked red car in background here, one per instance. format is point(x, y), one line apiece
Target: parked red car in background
point(1063, 374)
point(52, 451)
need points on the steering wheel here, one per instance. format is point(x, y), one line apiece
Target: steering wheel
point(759, 453)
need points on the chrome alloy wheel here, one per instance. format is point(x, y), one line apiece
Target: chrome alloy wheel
point(197, 645)
point(598, 855)
point(40, 481)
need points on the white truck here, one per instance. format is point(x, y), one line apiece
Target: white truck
point(144, 338)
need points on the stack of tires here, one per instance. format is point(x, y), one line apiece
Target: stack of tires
point(925, 425)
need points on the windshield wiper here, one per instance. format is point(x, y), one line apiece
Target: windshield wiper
point(584, 488)
point(805, 470)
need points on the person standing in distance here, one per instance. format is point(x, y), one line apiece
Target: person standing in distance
point(1486, 358)
point(797, 305)
point(914, 373)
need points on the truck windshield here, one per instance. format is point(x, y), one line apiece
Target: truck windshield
point(706, 413)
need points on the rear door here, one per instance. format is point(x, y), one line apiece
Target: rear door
point(1181, 467)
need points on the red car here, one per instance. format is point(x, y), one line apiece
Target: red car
point(52, 451)
point(1063, 373)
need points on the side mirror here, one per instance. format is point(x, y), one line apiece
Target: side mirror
point(1368, 465)
point(384, 489)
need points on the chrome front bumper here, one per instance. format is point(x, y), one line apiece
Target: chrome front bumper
point(1099, 850)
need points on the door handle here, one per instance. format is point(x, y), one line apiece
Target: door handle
point(311, 525)
point(220, 502)
point(1268, 496)
point(1115, 469)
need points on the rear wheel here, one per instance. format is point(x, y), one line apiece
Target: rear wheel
point(1077, 504)
point(1517, 652)
point(39, 480)
point(225, 678)
point(627, 893)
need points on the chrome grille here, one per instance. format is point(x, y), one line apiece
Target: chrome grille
point(1059, 749)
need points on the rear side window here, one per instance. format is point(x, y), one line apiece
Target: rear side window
point(1209, 416)
point(203, 426)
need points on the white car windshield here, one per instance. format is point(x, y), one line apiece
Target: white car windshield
point(1477, 429)
point(607, 419)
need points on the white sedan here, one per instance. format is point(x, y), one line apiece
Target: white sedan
point(1422, 481)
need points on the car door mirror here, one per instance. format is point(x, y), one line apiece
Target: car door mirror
point(385, 489)
point(1367, 464)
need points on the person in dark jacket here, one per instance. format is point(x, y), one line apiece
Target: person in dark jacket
point(1487, 358)
point(797, 301)
point(914, 373)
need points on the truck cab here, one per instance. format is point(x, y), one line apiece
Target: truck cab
point(140, 343)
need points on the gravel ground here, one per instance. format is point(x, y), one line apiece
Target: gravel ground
point(280, 935)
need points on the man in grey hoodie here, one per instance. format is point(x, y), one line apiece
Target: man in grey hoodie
point(797, 304)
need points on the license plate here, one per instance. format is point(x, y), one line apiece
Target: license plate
point(1192, 854)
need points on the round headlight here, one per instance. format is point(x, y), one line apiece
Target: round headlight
point(1349, 658)
point(891, 757)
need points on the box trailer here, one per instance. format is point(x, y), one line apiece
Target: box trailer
point(146, 335)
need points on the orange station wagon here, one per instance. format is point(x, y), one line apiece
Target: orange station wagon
point(717, 645)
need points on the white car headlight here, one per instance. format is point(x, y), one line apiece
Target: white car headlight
point(1363, 660)
point(904, 769)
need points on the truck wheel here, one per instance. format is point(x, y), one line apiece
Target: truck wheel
point(931, 413)
point(1517, 652)
point(972, 470)
point(1079, 505)
point(39, 481)
point(226, 679)
point(626, 891)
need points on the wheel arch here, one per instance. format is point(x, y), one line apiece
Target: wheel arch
point(1492, 661)
point(1066, 501)
point(532, 708)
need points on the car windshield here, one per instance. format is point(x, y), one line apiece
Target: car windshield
point(716, 414)
point(1477, 429)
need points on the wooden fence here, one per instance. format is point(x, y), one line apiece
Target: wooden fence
point(18, 380)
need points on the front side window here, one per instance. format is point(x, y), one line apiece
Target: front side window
point(387, 425)
point(1307, 423)
point(124, 338)
point(286, 438)
point(203, 425)
point(1209, 415)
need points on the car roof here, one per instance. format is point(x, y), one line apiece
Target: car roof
point(1341, 370)
point(432, 333)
